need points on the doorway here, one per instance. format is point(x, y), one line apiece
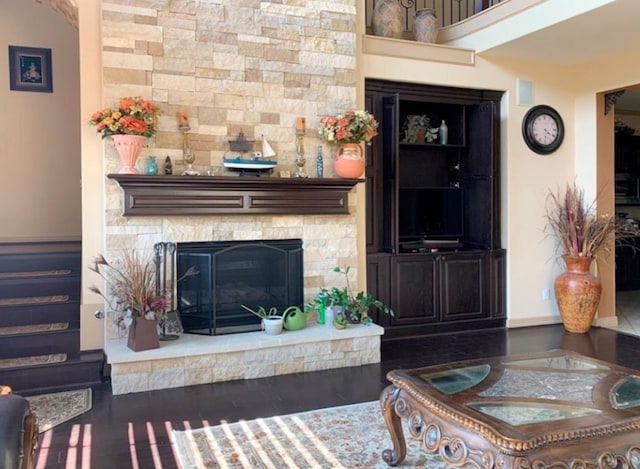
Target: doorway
point(627, 206)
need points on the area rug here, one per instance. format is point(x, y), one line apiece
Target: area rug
point(350, 437)
point(56, 408)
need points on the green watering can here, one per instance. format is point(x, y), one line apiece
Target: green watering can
point(294, 318)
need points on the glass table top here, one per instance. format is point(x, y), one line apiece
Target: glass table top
point(538, 389)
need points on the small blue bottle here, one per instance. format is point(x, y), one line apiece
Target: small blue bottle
point(319, 162)
point(152, 166)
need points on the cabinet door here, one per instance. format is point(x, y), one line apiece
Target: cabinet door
point(375, 185)
point(463, 286)
point(378, 284)
point(479, 178)
point(390, 149)
point(413, 289)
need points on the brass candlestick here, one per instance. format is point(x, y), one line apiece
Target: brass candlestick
point(187, 154)
point(300, 159)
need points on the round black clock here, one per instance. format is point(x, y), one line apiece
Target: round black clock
point(543, 129)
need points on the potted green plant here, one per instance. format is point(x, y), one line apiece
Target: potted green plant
point(272, 322)
point(351, 307)
point(417, 129)
point(582, 235)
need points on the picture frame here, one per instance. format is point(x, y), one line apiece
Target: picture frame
point(30, 69)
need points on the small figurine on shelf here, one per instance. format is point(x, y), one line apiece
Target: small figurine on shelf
point(168, 168)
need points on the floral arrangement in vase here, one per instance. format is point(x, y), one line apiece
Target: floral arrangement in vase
point(581, 235)
point(131, 288)
point(348, 127)
point(133, 116)
point(579, 230)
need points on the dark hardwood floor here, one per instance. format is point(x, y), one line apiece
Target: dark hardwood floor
point(132, 431)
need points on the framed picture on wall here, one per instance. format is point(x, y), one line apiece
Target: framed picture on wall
point(30, 69)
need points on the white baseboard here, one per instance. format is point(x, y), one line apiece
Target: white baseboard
point(609, 321)
point(535, 321)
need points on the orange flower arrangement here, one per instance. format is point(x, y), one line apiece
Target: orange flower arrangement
point(348, 127)
point(134, 116)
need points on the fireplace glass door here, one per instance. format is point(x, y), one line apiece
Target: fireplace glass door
point(233, 273)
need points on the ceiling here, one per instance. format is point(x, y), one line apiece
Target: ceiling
point(570, 37)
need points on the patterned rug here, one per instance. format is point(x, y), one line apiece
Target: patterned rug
point(32, 361)
point(56, 326)
point(351, 437)
point(54, 409)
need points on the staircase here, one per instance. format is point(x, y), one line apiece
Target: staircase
point(40, 319)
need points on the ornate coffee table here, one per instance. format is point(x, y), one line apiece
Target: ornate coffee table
point(557, 410)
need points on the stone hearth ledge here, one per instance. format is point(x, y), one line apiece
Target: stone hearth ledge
point(199, 359)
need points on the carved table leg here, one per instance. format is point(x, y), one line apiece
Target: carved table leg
point(394, 425)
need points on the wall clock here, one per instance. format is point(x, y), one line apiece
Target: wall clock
point(543, 129)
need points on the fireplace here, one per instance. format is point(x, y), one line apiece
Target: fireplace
point(266, 273)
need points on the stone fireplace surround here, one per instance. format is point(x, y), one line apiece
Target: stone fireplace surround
point(329, 239)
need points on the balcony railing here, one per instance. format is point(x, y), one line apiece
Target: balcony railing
point(448, 12)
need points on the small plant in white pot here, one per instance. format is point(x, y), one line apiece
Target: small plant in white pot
point(272, 322)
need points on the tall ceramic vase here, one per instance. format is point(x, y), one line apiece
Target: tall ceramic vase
point(143, 334)
point(387, 19)
point(128, 148)
point(349, 162)
point(577, 294)
point(425, 25)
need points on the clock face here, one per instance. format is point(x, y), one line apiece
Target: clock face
point(543, 129)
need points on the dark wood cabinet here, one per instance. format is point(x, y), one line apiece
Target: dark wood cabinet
point(433, 209)
point(438, 287)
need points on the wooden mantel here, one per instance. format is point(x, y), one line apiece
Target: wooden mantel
point(146, 195)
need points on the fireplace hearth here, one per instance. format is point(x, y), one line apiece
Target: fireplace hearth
point(265, 273)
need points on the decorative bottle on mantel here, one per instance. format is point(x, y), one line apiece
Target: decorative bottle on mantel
point(152, 166)
point(319, 162)
point(443, 133)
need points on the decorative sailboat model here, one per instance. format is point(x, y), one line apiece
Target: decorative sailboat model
point(259, 161)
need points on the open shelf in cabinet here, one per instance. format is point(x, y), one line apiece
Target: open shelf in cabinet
point(453, 115)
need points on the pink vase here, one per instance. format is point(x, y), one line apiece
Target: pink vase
point(349, 162)
point(128, 148)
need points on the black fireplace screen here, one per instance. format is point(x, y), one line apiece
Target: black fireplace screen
point(265, 273)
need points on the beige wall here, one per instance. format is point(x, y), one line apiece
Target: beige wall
point(40, 175)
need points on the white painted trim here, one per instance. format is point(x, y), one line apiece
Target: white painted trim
point(534, 321)
point(609, 321)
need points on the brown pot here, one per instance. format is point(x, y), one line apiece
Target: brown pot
point(143, 334)
point(577, 294)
